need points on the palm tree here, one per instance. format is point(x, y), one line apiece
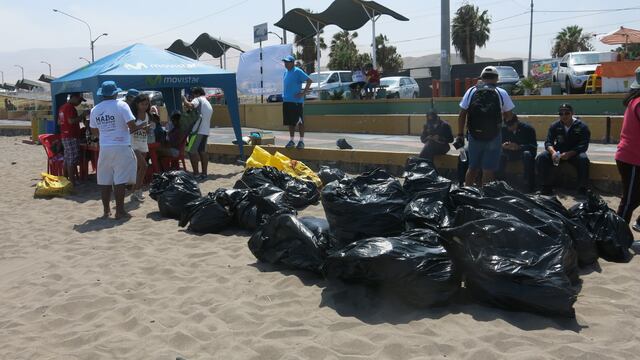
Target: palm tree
point(307, 51)
point(470, 29)
point(571, 39)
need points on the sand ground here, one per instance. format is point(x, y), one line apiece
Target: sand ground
point(73, 286)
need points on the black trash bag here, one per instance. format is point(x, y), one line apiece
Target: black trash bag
point(320, 228)
point(428, 209)
point(528, 214)
point(328, 174)
point(258, 205)
point(420, 174)
point(298, 193)
point(285, 240)
point(413, 265)
point(368, 205)
point(173, 190)
point(610, 232)
point(512, 265)
point(582, 240)
point(209, 214)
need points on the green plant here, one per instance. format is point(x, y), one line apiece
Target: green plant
point(528, 85)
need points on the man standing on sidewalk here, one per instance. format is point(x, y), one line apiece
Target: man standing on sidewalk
point(484, 106)
point(293, 100)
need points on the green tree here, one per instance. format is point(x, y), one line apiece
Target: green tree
point(344, 53)
point(387, 56)
point(470, 29)
point(571, 39)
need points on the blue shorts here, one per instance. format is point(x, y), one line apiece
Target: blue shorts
point(485, 155)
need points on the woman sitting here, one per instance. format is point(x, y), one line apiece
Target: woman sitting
point(170, 146)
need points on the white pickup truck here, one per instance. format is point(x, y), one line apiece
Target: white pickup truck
point(575, 68)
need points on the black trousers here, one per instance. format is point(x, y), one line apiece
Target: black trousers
point(546, 170)
point(630, 200)
point(432, 148)
point(528, 161)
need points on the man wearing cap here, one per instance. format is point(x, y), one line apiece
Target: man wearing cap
point(293, 100)
point(113, 122)
point(567, 141)
point(483, 108)
point(70, 133)
point(519, 144)
point(131, 94)
point(436, 136)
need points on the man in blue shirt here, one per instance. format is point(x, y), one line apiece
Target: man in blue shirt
point(293, 100)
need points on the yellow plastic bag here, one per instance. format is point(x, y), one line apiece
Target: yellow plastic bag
point(261, 158)
point(52, 185)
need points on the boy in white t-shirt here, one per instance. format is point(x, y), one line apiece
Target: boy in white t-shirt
point(198, 151)
point(112, 121)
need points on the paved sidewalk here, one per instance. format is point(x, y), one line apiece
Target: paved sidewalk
point(597, 152)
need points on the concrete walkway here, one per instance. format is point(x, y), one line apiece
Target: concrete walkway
point(597, 152)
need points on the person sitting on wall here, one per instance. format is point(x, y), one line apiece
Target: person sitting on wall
point(373, 81)
point(519, 143)
point(436, 136)
point(567, 141)
point(359, 81)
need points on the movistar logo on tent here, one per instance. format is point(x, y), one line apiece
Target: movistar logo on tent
point(138, 66)
point(142, 66)
point(153, 80)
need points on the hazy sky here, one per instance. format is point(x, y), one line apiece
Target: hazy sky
point(31, 24)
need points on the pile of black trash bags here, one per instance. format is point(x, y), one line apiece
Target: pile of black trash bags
point(423, 238)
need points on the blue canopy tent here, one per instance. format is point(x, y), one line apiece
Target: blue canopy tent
point(147, 68)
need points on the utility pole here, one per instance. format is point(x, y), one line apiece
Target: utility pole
point(530, 35)
point(445, 47)
point(284, 32)
point(44, 62)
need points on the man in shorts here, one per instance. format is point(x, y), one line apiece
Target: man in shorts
point(483, 108)
point(70, 133)
point(293, 100)
point(113, 122)
point(198, 151)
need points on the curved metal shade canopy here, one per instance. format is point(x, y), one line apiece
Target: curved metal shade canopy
point(622, 36)
point(204, 43)
point(346, 14)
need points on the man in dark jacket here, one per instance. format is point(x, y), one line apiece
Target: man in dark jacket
point(567, 140)
point(436, 136)
point(519, 143)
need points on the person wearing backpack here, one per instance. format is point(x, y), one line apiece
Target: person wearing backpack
point(483, 108)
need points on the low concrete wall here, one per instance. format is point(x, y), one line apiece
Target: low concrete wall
point(603, 175)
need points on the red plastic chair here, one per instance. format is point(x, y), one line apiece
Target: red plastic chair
point(55, 162)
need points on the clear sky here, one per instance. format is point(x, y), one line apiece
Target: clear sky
point(31, 24)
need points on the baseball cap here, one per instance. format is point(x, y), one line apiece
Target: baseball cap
point(636, 84)
point(489, 71)
point(82, 99)
point(289, 58)
point(108, 88)
point(566, 106)
point(133, 92)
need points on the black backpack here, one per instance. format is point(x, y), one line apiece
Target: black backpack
point(485, 112)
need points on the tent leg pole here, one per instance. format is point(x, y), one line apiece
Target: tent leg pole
point(318, 53)
point(373, 42)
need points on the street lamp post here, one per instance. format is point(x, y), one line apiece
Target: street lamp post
point(44, 62)
point(284, 32)
point(21, 68)
point(279, 37)
point(93, 42)
point(85, 59)
point(2, 73)
point(91, 39)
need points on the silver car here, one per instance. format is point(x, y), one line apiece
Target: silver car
point(576, 67)
point(400, 87)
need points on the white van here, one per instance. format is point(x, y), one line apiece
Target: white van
point(330, 81)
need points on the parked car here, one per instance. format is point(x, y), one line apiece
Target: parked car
point(575, 68)
point(400, 87)
point(329, 81)
point(274, 98)
point(508, 78)
point(214, 95)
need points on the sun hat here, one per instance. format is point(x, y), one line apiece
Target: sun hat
point(289, 58)
point(133, 92)
point(108, 88)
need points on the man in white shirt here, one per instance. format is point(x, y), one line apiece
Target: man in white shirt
point(484, 106)
point(198, 151)
point(112, 121)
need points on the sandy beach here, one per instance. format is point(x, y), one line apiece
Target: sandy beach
point(73, 286)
